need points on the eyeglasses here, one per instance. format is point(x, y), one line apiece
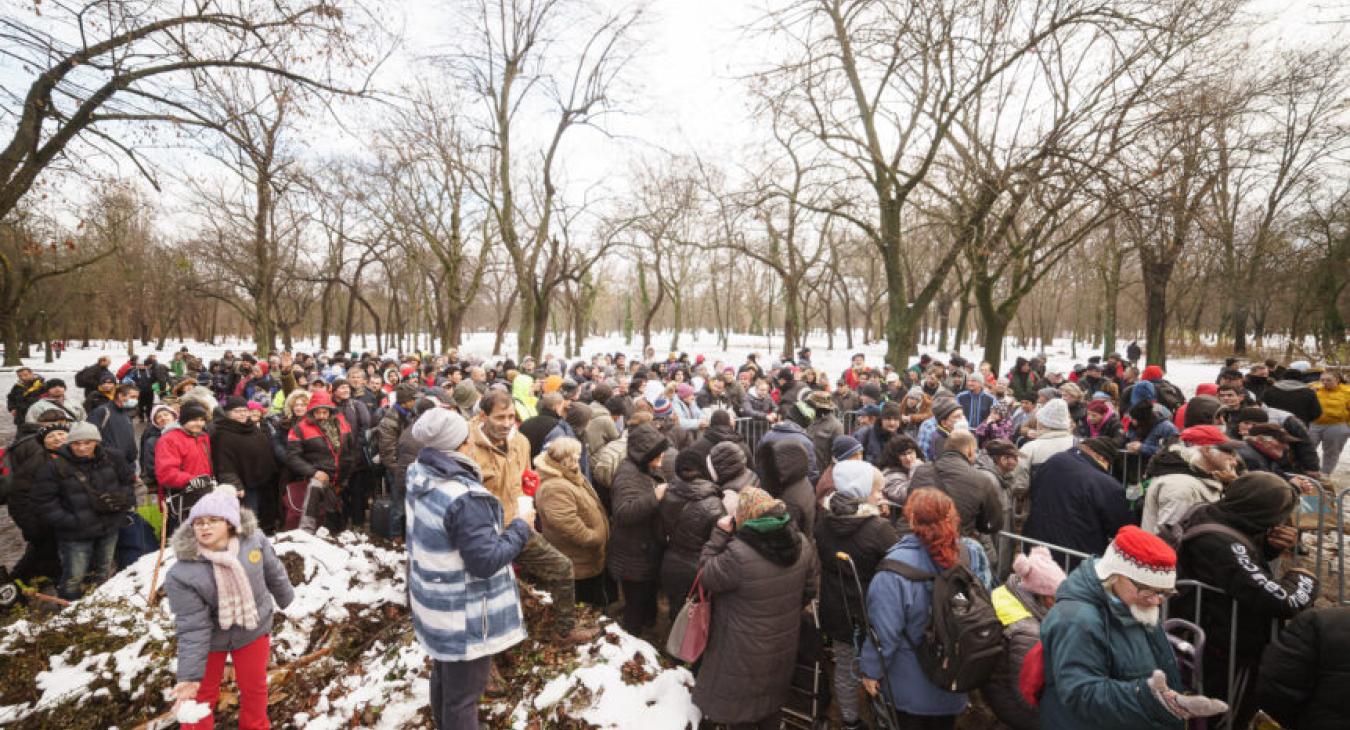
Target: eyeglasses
point(1149, 592)
point(207, 521)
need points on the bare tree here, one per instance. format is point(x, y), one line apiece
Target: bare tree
point(101, 70)
point(515, 59)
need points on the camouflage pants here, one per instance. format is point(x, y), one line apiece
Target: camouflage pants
point(551, 571)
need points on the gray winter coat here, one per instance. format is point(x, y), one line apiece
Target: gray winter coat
point(191, 586)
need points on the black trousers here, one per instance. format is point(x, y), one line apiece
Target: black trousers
point(456, 688)
point(598, 591)
point(639, 605)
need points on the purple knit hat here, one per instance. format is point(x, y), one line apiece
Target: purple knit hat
point(219, 502)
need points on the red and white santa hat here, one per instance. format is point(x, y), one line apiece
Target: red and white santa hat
point(1140, 556)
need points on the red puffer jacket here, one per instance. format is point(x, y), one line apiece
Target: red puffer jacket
point(180, 456)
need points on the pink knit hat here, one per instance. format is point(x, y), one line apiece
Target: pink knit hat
point(1038, 571)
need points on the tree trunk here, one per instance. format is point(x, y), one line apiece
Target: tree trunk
point(962, 321)
point(502, 322)
point(1156, 275)
point(791, 319)
point(1111, 300)
point(677, 303)
point(1240, 315)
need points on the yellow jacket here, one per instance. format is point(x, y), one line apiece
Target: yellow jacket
point(1335, 404)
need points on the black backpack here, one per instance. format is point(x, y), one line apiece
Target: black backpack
point(964, 639)
point(1170, 395)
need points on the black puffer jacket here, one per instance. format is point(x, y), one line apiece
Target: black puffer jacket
point(64, 503)
point(759, 584)
point(783, 465)
point(855, 528)
point(635, 539)
point(689, 511)
point(1305, 672)
point(26, 458)
point(241, 454)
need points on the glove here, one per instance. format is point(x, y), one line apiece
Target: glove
point(529, 483)
point(1184, 707)
point(200, 484)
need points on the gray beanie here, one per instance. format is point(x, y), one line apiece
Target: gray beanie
point(441, 429)
point(84, 431)
point(1054, 415)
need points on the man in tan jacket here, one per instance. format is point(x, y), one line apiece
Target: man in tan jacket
point(503, 455)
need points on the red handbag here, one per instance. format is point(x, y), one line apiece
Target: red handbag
point(689, 631)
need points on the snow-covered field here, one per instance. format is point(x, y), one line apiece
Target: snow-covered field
point(1186, 373)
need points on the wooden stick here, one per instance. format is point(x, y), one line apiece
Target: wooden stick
point(34, 593)
point(159, 560)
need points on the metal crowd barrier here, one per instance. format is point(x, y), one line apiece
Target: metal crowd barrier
point(1071, 557)
point(1338, 505)
point(1130, 478)
point(850, 421)
point(752, 429)
point(1236, 681)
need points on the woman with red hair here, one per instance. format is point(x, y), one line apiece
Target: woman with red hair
point(899, 611)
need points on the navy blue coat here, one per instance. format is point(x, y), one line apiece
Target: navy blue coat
point(1076, 504)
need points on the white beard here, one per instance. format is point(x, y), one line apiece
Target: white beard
point(1146, 616)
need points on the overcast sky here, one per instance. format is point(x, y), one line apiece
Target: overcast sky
point(685, 93)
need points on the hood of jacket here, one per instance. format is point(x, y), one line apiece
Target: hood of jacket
point(36, 410)
point(727, 460)
point(693, 490)
point(845, 515)
point(782, 546)
point(719, 434)
point(443, 466)
point(1178, 459)
point(787, 463)
point(1288, 383)
point(184, 540)
point(788, 427)
point(644, 443)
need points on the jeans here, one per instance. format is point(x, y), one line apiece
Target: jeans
point(455, 690)
point(79, 558)
point(1332, 438)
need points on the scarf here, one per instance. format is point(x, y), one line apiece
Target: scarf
point(234, 597)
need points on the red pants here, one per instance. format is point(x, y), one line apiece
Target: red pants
point(250, 675)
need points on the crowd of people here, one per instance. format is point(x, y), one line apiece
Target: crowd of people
point(890, 511)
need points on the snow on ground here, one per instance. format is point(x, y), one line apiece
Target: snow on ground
point(113, 654)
